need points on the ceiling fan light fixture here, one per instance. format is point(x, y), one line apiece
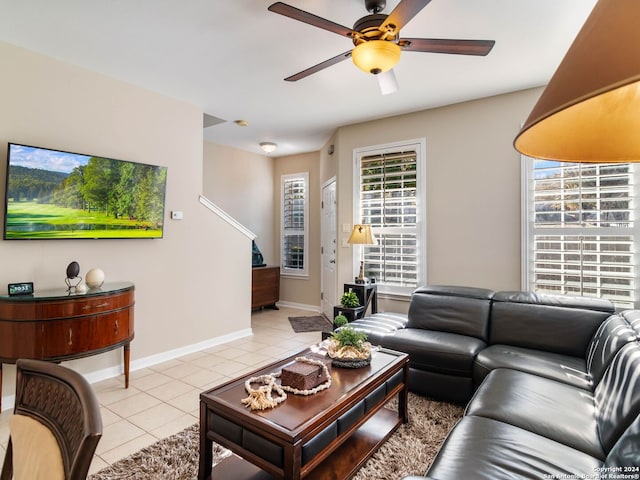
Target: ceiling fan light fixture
point(376, 56)
point(268, 147)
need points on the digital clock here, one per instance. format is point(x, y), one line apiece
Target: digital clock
point(24, 288)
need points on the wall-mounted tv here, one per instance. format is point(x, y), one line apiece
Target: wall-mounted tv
point(52, 194)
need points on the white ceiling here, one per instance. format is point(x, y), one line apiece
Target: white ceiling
point(229, 57)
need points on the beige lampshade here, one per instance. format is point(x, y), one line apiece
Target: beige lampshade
point(590, 110)
point(362, 235)
point(376, 56)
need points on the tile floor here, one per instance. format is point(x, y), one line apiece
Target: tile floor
point(164, 399)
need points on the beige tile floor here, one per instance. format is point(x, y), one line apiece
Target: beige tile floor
point(163, 399)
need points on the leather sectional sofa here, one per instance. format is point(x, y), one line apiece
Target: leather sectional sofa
point(552, 382)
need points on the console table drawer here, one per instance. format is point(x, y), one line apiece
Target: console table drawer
point(17, 310)
point(85, 306)
point(61, 338)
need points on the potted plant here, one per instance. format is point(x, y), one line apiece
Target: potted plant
point(349, 300)
point(349, 348)
point(340, 321)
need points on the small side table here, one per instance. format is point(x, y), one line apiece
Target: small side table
point(352, 313)
point(367, 294)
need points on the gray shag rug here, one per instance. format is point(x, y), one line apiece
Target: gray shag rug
point(313, 323)
point(409, 451)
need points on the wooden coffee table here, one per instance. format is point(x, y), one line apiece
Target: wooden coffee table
point(327, 435)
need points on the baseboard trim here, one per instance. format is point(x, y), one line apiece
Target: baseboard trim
point(8, 401)
point(301, 306)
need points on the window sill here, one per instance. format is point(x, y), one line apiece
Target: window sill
point(294, 276)
point(399, 297)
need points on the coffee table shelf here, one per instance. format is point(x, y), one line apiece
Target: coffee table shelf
point(342, 463)
point(327, 435)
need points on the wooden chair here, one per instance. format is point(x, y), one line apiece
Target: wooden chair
point(55, 427)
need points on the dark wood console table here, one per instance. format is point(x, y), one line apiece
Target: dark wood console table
point(56, 325)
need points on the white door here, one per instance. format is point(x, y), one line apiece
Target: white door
point(329, 246)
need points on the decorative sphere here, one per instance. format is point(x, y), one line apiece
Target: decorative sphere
point(94, 278)
point(82, 288)
point(73, 269)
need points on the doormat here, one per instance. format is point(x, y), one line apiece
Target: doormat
point(313, 323)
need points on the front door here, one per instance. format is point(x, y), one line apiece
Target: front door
point(329, 244)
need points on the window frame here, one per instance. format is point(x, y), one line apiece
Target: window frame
point(419, 146)
point(529, 231)
point(284, 270)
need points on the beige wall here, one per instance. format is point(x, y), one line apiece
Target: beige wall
point(241, 183)
point(473, 187)
point(193, 285)
point(301, 291)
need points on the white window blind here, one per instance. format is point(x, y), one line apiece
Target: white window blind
point(581, 230)
point(294, 223)
point(389, 200)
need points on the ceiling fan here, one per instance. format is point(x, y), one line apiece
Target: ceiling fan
point(377, 42)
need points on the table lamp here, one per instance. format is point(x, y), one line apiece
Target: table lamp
point(362, 235)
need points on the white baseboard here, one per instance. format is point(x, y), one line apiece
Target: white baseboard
point(99, 375)
point(301, 306)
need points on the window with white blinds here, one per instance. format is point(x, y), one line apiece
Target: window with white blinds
point(390, 200)
point(580, 230)
point(294, 223)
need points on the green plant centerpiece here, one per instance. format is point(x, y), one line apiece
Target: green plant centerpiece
point(349, 348)
point(349, 300)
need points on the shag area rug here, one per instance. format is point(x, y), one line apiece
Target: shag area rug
point(409, 451)
point(314, 323)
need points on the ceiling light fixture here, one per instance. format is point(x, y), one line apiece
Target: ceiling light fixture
point(589, 111)
point(376, 56)
point(268, 147)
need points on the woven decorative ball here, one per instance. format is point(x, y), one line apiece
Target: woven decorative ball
point(94, 278)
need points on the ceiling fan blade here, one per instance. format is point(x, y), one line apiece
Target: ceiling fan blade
point(310, 18)
point(441, 45)
point(387, 82)
point(404, 11)
point(318, 67)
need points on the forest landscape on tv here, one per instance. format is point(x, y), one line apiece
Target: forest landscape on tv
point(52, 194)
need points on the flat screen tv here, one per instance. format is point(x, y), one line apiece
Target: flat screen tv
point(52, 194)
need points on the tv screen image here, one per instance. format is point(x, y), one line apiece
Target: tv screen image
point(53, 194)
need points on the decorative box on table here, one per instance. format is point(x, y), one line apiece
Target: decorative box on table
point(305, 376)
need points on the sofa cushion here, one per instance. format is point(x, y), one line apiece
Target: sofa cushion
point(441, 386)
point(615, 332)
point(633, 317)
point(564, 368)
point(439, 352)
point(482, 448)
point(461, 310)
point(626, 451)
point(549, 408)
point(378, 325)
point(552, 323)
point(617, 396)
